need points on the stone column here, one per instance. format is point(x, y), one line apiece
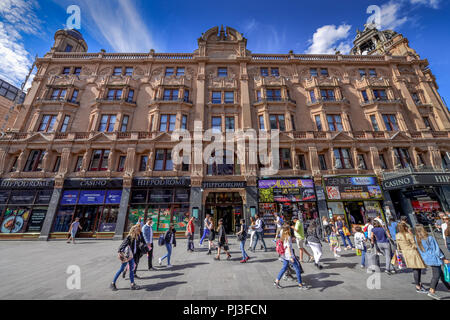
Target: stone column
point(51, 211)
point(123, 210)
point(245, 98)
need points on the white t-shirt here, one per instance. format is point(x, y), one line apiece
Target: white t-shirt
point(444, 227)
point(369, 231)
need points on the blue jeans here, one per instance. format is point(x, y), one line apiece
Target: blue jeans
point(205, 234)
point(344, 237)
point(296, 267)
point(242, 246)
point(169, 253)
point(259, 235)
point(363, 256)
point(122, 267)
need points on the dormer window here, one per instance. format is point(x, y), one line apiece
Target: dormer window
point(68, 48)
point(222, 72)
point(77, 71)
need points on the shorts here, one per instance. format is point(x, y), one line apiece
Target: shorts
point(300, 243)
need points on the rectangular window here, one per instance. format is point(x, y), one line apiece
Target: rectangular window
point(163, 160)
point(65, 124)
point(124, 126)
point(361, 162)
point(327, 94)
point(342, 158)
point(114, 94)
point(186, 95)
point(216, 97)
point(273, 94)
point(184, 122)
point(130, 95)
point(318, 123)
point(229, 96)
point(373, 120)
point(14, 165)
point(34, 161)
point(362, 72)
point(47, 123)
point(169, 71)
point(302, 162)
point(390, 121)
point(170, 95)
point(380, 94)
point(364, 95)
point(58, 94)
point(383, 164)
point(180, 71)
point(415, 97)
point(402, 157)
point(322, 162)
point(312, 96)
point(222, 72)
point(129, 71)
point(107, 122)
point(277, 122)
point(324, 72)
point(264, 72)
point(117, 71)
point(229, 123)
point(57, 164)
point(167, 123)
point(74, 96)
point(293, 122)
point(143, 163)
point(99, 160)
point(261, 123)
point(216, 124)
point(427, 122)
point(275, 72)
point(372, 73)
point(66, 70)
point(77, 71)
point(121, 164)
point(78, 164)
point(285, 159)
point(334, 122)
point(313, 72)
point(258, 95)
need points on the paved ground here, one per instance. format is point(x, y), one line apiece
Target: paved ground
point(37, 270)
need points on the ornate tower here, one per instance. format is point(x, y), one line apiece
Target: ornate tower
point(69, 41)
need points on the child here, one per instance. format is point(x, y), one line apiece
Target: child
point(360, 244)
point(334, 243)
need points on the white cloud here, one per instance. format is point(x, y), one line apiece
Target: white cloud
point(263, 37)
point(430, 3)
point(329, 37)
point(18, 17)
point(390, 15)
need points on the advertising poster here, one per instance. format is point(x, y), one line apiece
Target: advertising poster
point(134, 215)
point(14, 220)
point(333, 193)
point(107, 227)
point(164, 219)
point(37, 219)
point(113, 196)
point(91, 196)
point(352, 188)
point(69, 197)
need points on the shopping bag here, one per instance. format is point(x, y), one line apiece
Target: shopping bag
point(400, 260)
point(447, 272)
point(358, 252)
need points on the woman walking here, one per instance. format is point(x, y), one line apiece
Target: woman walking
point(334, 242)
point(433, 257)
point(206, 229)
point(190, 230)
point(211, 235)
point(360, 244)
point(408, 249)
point(73, 230)
point(312, 236)
point(136, 248)
point(169, 240)
point(126, 257)
point(223, 241)
point(326, 229)
point(342, 230)
point(287, 256)
point(252, 232)
point(381, 239)
point(242, 236)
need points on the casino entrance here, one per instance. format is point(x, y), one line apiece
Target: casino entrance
point(227, 206)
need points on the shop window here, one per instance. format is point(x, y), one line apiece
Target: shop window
point(383, 164)
point(114, 94)
point(184, 122)
point(402, 157)
point(99, 160)
point(121, 164)
point(261, 123)
point(63, 219)
point(58, 94)
point(216, 97)
point(229, 124)
point(108, 219)
point(361, 162)
point(169, 71)
point(163, 160)
point(342, 158)
point(322, 162)
point(34, 161)
point(302, 161)
point(78, 164)
point(107, 122)
point(143, 163)
point(318, 122)
point(57, 164)
point(124, 126)
point(313, 72)
point(170, 95)
point(327, 94)
point(334, 122)
point(129, 71)
point(277, 122)
point(229, 166)
point(374, 122)
point(180, 71)
point(47, 123)
point(285, 159)
point(380, 94)
point(222, 72)
point(229, 96)
point(167, 123)
point(273, 94)
point(390, 121)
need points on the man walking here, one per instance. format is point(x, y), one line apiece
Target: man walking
point(259, 233)
point(190, 235)
point(147, 231)
point(206, 225)
point(299, 233)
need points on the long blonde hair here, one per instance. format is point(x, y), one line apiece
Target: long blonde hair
point(135, 231)
point(285, 233)
point(421, 234)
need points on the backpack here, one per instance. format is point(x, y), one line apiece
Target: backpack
point(161, 240)
point(281, 221)
point(280, 247)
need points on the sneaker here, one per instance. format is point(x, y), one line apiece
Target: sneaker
point(337, 256)
point(136, 276)
point(151, 269)
point(217, 258)
point(134, 286)
point(243, 261)
point(229, 257)
point(421, 290)
point(433, 296)
point(248, 258)
point(363, 266)
point(388, 272)
point(160, 261)
point(303, 287)
point(113, 286)
point(277, 284)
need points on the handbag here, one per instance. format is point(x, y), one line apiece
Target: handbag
point(400, 261)
point(126, 255)
point(346, 231)
point(144, 248)
point(358, 252)
point(447, 272)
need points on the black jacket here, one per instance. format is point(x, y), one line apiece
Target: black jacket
point(222, 234)
point(312, 235)
point(131, 242)
point(170, 237)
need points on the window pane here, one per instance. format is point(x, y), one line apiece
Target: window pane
point(143, 163)
point(264, 72)
point(124, 123)
point(180, 71)
point(163, 123)
point(216, 123)
point(172, 120)
point(216, 97)
point(104, 165)
point(261, 123)
point(169, 71)
point(281, 123)
point(159, 160)
point(229, 97)
point(273, 122)
point(318, 122)
point(313, 72)
point(337, 158)
point(275, 72)
point(95, 160)
point(112, 121)
point(229, 123)
point(169, 164)
point(184, 122)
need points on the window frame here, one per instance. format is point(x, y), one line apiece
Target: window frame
point(34, 161)
point(165, 160)
point(65, 124)
point(277, 119)
point(344, 158)
point(109, 127)
point(335, 123)
point(103, 156)
point(387, 119)
point(51, 122)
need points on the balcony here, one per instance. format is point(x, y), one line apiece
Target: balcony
point(59, 101)
point(327, 101)
point(377, 101)
point(166, 100)
point(121, 102)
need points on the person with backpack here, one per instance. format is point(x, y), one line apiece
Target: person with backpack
point(190, 229)
point(286, 252)
point(125, 254)
point(432, 256)
point(223, 240)
point(138, 250)
point(242, 237)
point(312, 236)
point(299, 233)
point(380, 238)
point(259, 228)
point(147, 233)
point(169, 241)
point(343, 231)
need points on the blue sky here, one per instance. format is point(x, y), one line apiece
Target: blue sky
point(27, 27)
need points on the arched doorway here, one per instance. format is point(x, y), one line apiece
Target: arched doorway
point(226, 205)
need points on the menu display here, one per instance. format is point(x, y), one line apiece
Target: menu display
point(352, 188)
